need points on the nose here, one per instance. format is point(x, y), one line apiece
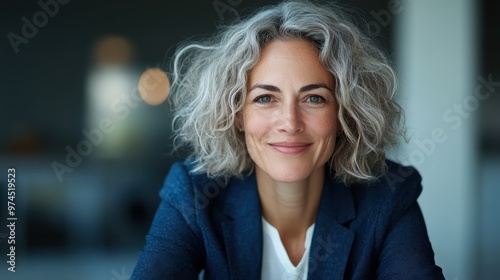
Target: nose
point(290, 118)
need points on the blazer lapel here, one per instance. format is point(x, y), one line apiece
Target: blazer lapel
point(331, 243)
point(242, 232)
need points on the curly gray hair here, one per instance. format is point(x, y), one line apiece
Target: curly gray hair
point(209, 88)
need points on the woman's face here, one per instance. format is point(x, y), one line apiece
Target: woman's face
point(290, 113)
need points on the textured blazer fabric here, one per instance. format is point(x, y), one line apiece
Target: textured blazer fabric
point(362, 231)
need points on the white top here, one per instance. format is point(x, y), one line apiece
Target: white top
point(275, 262)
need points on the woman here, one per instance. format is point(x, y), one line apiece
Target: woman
point(288, 114)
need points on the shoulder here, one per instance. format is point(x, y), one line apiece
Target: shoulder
point(400, 183)
point(178, 181)
point(188, 191)
point(391, 194)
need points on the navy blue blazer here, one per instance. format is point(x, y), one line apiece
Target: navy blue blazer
point(362, 231)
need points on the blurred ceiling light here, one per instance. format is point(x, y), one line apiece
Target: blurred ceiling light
point(154, 86)
point(112, 51)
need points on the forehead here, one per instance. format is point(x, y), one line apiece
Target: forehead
point(290, 59)
point(285, 47)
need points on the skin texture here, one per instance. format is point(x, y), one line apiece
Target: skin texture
point(290, 124)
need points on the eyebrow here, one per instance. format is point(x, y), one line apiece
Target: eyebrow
point(302, 89)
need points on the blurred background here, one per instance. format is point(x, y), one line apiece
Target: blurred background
point(84, 122)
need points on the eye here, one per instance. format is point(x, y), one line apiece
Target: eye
point(316, 99)
point(263, 99)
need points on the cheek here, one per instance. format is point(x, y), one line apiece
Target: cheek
point(324, 125)
point(257, 127)
point(255, 123)
point(326, 132)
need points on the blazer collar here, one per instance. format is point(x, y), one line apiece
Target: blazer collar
point(242, 231)
point(332, 241)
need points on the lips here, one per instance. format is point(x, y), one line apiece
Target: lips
point(290, 148)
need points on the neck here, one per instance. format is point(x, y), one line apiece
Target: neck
point(290, 207)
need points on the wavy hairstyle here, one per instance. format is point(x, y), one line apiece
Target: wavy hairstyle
point(209, 88)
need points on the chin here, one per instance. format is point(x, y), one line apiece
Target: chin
point(289, 173)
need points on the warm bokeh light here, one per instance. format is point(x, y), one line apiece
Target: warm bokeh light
point(112, 51)
point(154, 86)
